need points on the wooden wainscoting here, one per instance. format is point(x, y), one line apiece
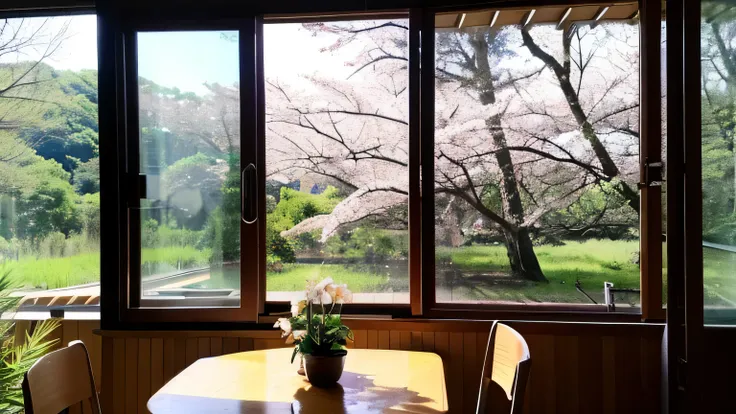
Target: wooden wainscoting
point(576, 367)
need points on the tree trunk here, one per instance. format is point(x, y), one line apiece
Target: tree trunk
point(521, 254)
point(519, 246)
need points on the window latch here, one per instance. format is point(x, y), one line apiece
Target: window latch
point(652, 174)
point(681, 374)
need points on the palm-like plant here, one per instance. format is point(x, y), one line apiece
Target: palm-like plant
point(15, 359)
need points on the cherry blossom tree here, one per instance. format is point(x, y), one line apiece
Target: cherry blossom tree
point(507, 154)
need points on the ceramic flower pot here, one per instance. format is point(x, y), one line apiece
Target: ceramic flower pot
point(323, 371)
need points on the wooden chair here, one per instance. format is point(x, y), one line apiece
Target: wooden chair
point(507, 364)
point(60, 380)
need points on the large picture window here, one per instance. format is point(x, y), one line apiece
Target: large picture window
point(537, 157)
point(263, 153)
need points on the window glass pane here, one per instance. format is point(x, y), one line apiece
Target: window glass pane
point(718, 31)
point(189, 156)
point(536, 158)
point(337, 157)
point(49, 166)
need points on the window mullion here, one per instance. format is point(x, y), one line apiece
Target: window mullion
point(650, 162)
point(415, 241)
point(250, 245)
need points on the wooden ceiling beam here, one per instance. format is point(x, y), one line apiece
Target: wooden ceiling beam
point(495, 17)
point(528, 17)
point(565, 14)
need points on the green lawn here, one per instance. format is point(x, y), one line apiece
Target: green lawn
point(295, 276)
point(719, 276)
point(58, 272)
point(465, 273)
point(477, 272)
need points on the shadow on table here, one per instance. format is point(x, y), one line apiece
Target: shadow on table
point(358, 393)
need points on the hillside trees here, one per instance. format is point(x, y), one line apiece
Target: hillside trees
point(48, 126)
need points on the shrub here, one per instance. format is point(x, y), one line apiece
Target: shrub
point(293, 207)
point(722, 234)
point(18, 358)
point(369, 243)
point(53, 245)
point(278, 246)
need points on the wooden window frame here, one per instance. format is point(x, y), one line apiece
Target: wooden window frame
point(414, 228)
point(116, 282)
point(650, 205)
point(130, 309)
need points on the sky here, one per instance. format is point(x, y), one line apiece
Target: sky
point(189, 59)
point(78, 50)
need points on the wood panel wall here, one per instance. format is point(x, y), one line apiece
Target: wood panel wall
point(576, 367)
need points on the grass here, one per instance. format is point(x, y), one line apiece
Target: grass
point(719, 277)
point(464, 273)
point(295, 276)
point(55, 272)
point(58, 272)
point(469, 272)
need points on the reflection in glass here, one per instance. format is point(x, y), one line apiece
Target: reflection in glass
point(189, 156)
point(718, 104)
point(536, 157)
point(337, 158)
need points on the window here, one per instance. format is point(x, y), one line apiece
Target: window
point(191, 175)
point(718, 181)
point(263, 153)
point(337, 157)
point(189, 124)
point(537, 156)
point(49, 165)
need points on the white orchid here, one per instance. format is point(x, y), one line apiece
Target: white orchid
point(298, 306)
point(305, 340)
point(295, 336)
point(285, 326)
point(317, 293)
point(343, 294)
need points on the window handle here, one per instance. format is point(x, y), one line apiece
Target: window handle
point(248, 194)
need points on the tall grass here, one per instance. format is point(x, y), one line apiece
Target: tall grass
point(58, 272)
point(55, 272)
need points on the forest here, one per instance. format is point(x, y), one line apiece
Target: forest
point(536, 165)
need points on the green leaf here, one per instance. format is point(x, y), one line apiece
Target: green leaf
point(293, 354)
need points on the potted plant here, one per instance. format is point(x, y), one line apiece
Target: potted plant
point(317, 331)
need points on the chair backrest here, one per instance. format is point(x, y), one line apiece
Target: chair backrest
point(59, 380)
point(507, 364)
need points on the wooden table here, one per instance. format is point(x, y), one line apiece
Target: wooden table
point(374, 381)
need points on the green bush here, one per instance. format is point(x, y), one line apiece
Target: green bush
point(231, 215)
point(722, 234)
point(52, 245)
point(295, 206)
point(278, 246)
point(372, 243)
